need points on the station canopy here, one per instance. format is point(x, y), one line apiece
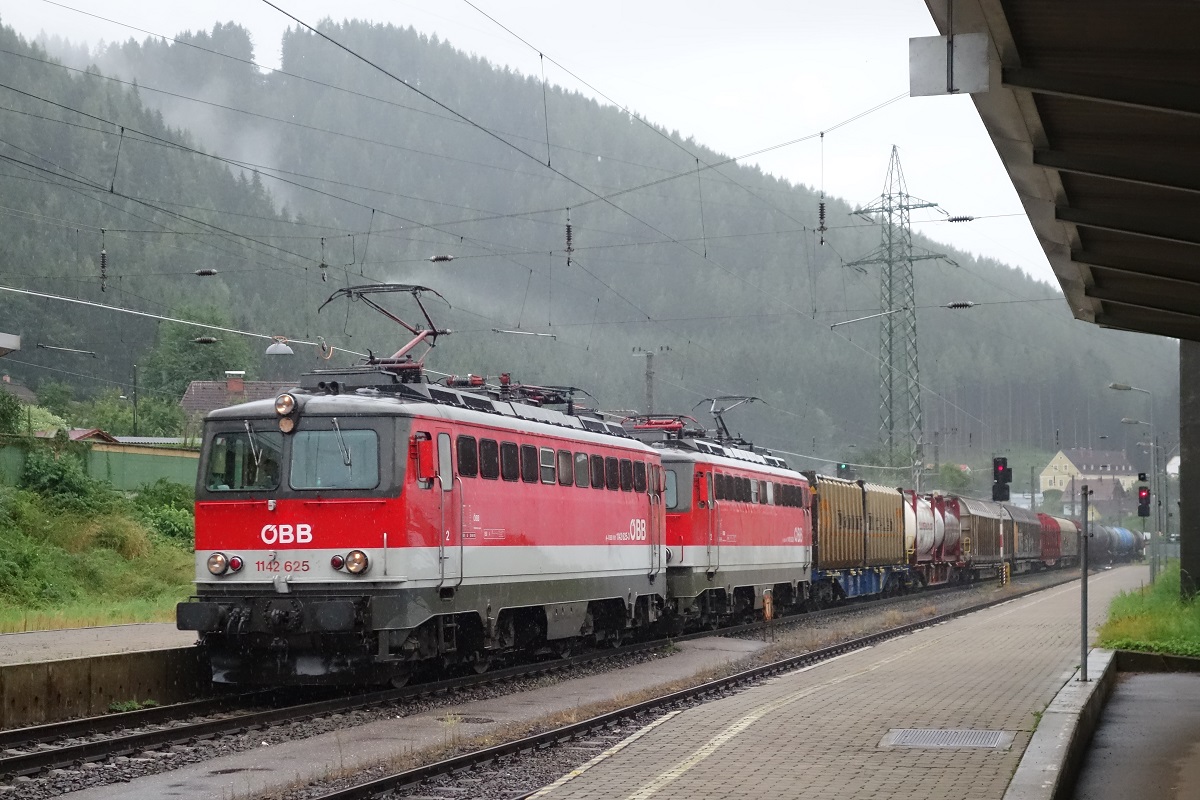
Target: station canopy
point(1094, 108)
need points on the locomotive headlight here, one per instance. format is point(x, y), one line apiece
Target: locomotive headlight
point(337, 562)
point(218, 564)
point(235, 563)
point(356, 562)
point(285, 404)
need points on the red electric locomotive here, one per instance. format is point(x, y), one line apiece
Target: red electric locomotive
point(739, 530)
point(367, 523)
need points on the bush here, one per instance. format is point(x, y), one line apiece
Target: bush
point(165, 493)
point(60, 477)
point(176, 524)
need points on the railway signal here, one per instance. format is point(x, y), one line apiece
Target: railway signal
point(1001, 478)
point(1143, 501)
point(843, 471)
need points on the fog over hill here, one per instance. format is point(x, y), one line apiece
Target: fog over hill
point(716, 268)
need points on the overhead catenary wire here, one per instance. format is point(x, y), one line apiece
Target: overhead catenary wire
point(163, 318)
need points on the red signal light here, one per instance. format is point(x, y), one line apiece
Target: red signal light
point(1143, 493)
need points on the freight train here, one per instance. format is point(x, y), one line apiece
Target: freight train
point(371, 524)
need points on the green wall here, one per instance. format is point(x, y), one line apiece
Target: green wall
point(125, 466)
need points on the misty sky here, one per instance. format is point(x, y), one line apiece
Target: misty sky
point(735, 77)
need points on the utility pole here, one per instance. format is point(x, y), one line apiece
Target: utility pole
point(1032, 488)
point(641, 352)
point(899, 375)
point(135, 400)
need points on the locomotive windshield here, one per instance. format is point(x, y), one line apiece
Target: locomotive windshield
point(337, 458)
point(244, 461)
point(672, 490)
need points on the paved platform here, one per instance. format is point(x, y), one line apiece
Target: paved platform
point(22, 648)
point(1148, 741)
point(824, 731)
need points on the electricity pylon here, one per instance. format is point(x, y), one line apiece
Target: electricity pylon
point(899, 375)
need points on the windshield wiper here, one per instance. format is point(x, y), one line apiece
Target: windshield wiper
point(342, 443)
point(255, 452)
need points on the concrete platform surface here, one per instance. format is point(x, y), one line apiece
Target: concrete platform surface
point(1148, 741)
point(824, 731)
point(22, 648)
point(257, 770)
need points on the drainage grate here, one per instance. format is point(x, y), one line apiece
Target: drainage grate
point(954, 737)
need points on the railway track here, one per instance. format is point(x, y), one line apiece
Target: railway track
point(30, 751)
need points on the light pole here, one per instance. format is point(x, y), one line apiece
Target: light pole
point(1154, 484)
point(1154, 534)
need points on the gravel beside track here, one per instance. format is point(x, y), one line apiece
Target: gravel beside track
point(532, 772)
point(21, 648)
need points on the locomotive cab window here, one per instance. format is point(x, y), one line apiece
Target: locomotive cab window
point(671, 493)
point(244, 461)
point(335, 458)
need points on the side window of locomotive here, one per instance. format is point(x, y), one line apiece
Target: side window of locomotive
point(626, 475)
point(335, 459)
point(468, 457)
point(547, 465)
point(510, 461)
point(639, 476)
point(582, 471)
point(762, 493)
point(747, 490)
point(529, 463)
point(566, 465)
point(597, 472)
point(753, 491)
point(612, 474)
point(672, 489)
point(489, 459)
point(718, 486)
point(244, 461)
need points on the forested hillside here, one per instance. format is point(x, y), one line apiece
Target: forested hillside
point(345, 176)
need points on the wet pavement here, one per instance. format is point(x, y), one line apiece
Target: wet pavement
point(1147, 744)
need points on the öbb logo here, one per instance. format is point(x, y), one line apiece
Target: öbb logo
point(286, 534)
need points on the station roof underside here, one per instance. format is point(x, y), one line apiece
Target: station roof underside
point(1095, 112)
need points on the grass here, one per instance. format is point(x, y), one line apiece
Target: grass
point(1154, 619)
point(65, 567)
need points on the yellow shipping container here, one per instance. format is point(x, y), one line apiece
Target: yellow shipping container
point(838, 524)
point(885, 526)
